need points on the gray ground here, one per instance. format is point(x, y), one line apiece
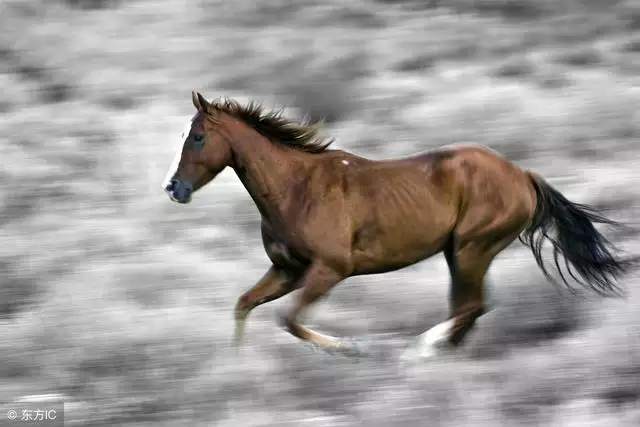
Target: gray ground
point(122, 301)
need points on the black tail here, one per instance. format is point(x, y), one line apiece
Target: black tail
point(584, 248)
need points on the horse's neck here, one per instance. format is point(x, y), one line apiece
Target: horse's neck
point(267, 172)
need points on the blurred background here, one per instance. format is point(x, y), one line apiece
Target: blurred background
point(121, 301)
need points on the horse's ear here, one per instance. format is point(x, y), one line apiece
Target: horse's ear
point(204, 104)
point(195, 98)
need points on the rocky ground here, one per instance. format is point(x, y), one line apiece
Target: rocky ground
point(121, 301)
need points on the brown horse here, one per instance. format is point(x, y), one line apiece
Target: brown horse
point(328, 214)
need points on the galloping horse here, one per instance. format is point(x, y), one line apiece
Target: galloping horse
point(328, 215)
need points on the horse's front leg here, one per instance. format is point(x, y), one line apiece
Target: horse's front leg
point(275, 283)
point(316, 282)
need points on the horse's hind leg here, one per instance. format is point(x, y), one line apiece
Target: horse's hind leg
point(468, 265)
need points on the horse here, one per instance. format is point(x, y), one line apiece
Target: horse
point(329, 214)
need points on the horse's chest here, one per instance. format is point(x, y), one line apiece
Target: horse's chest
point(284, 256)
point(279, 252)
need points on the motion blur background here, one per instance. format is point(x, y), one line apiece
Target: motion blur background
point(121, 300)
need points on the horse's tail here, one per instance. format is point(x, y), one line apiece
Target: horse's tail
point(584, 248)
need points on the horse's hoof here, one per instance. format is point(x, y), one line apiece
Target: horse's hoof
point(409, 355)
point(236, 342)
point(351, 347)
point(315, 348)
point(425, 352)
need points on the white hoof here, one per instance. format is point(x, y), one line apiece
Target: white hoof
point(423, 352)
point(431, 343)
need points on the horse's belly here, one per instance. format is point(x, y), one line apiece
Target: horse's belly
point(393, 252)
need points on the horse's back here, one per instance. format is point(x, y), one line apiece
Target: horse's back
point(461, 174)
point(459, 149)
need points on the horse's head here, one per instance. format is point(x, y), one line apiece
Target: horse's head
point(204, 153)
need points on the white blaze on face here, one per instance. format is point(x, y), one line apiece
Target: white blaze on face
point(176, 160)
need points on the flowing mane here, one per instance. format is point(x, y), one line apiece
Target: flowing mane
point(303, 135)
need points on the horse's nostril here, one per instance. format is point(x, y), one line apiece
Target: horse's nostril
point(170, 186)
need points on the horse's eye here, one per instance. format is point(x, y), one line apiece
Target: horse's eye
point(198, 141)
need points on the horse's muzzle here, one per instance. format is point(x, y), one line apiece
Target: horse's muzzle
point(179, 191)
